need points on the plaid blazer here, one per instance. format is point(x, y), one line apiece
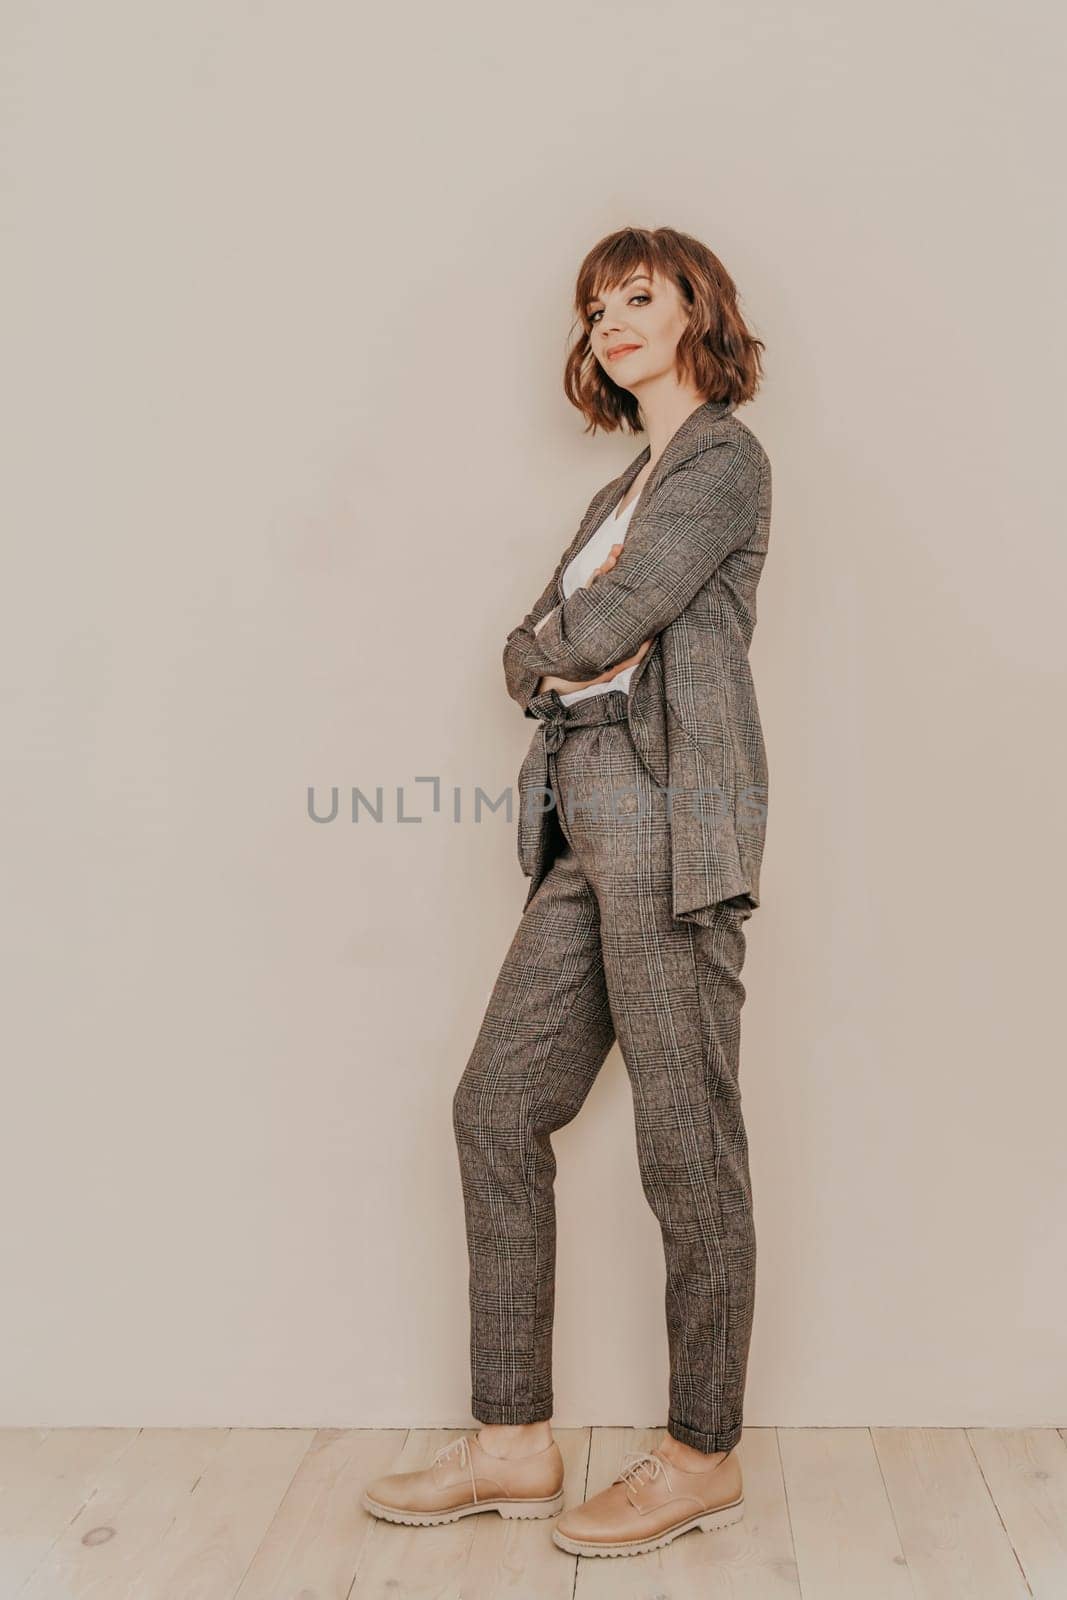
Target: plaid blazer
point(687, 577)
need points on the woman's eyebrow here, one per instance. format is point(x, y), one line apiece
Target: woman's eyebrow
point(636, 277)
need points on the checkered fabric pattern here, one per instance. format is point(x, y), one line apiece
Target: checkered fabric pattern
point(687, 578)
point(600, 956)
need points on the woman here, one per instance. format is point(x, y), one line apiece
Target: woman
point(635, 662)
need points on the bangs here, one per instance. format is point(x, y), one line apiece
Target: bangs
point(622, 256)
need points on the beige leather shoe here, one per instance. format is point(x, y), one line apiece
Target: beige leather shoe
point(650, 1503)
point(463, 1478)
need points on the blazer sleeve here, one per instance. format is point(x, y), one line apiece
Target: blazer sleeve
point(698, 515)
point(544, 619)
point(522, 680)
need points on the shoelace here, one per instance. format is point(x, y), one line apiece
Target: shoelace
point(462, 1448)
point(635, 1463)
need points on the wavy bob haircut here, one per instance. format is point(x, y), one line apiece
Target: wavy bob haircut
point(716, 351)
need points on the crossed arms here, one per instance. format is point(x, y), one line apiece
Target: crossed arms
point(697, 515)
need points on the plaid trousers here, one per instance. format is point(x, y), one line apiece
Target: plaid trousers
point(598, 956)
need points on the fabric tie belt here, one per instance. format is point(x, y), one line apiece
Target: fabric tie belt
point(536, 779)
point(556, 718)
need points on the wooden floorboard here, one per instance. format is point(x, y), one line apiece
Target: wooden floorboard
point(275, 1514)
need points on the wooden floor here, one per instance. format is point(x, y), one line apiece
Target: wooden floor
point(209, 1514)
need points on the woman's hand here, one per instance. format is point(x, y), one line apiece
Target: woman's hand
point(605, 566)
point(565, 685)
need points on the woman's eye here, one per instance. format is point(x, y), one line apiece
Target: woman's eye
point(639, 296)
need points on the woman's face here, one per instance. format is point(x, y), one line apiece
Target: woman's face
point(635, 329)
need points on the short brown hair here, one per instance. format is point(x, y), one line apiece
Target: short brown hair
point(715, 349)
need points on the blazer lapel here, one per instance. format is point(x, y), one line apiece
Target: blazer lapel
point(603, 504)
point(684, 442)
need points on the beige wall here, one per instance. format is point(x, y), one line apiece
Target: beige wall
point(287, 306)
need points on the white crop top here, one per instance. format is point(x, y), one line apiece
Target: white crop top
point(578, 572)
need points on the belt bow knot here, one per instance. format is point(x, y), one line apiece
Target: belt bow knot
point(551, 711)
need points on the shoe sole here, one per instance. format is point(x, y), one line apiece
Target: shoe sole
point(709, 1521)
point(426, 1519)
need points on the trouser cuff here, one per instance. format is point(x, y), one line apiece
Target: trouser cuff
point(701, 1439)
point(514, 1412)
